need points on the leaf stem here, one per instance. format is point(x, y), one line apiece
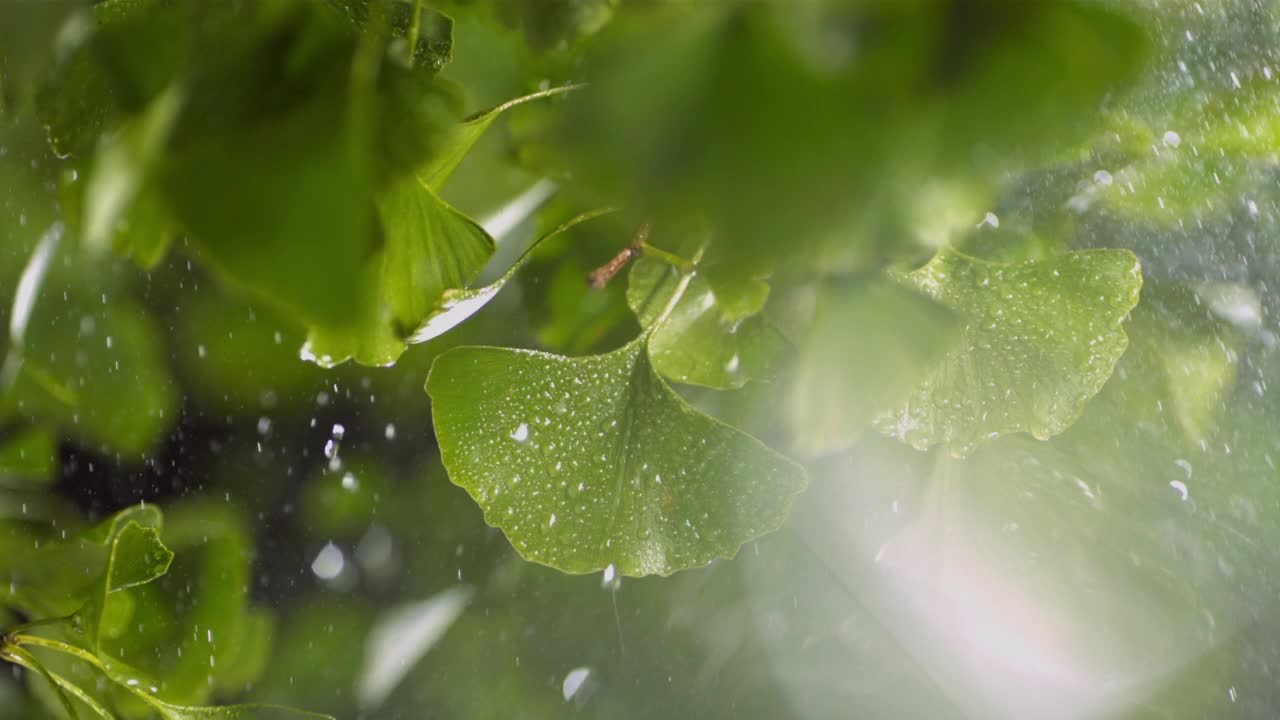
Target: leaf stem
point(685, 278)
point(415, 27)
point(657, 253)
point(61, 685)
point(69, 649)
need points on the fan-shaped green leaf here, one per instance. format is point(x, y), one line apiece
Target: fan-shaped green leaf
point(429, 247)
point(456, 305)
point(137, 557)
point(587, 463)
point(1040, 338)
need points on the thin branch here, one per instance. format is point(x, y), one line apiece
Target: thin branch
point(599, 278)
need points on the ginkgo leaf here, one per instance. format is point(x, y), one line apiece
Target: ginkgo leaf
point(1040, 338)
point(699, 342)
point(594, 462)
point(429, 247)
point(137, 557)
point(458, 304)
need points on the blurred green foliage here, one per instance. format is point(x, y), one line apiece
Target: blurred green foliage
point(1036, 241)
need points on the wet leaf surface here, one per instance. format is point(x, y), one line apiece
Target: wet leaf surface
point(1040, 338)
point(587, 463)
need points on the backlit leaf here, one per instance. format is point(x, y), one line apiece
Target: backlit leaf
point(1040, 338)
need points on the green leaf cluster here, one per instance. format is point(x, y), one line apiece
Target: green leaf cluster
point(105, 600)
point(760, 253)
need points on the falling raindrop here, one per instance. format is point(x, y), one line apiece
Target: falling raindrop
point(329, 562)
point(610, 579)
point(574, 682)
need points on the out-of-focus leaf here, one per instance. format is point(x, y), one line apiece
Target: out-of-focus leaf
point(1174, 186)
point(124, 161)
point(52, 575)
point(167, 626)
point(1180, 368)
point(135, 555)
point(188, 625)
point(457, 304)
point(429, 248)
point(1040, 338)
point(734, 123)
point(29, 30)
point(318, 626)
point(871, 342)
point(699, 342)
point(434, 47)
point(402, 637)
point(238, 355)
point(117, 627)
point(462, 137)
point(282, 208)
point(253, 643)
point(592, 462)
point(550, 24)
point(289, 126)
point(1020, 79)
point(146, 516)
point(137, 558)
point(30, 455)
point(738, 297)
point(95, 369)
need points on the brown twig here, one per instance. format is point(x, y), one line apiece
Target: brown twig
point(600, 277)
